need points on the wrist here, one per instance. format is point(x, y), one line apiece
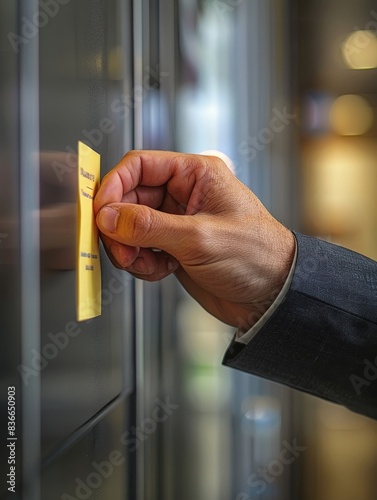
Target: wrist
point(275, 278)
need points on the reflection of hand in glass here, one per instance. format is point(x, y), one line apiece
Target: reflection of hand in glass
point(57, 214)
point(58, 183)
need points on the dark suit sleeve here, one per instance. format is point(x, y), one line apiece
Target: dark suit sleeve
point(322, 339)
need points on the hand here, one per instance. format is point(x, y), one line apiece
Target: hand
point(225, 248)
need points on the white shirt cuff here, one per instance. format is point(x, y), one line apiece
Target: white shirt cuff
point(244, 338)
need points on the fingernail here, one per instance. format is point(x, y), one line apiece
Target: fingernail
point(108, 219)
point(139, 266)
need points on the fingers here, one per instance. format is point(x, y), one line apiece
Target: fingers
point(121, 256)
point(177, 172)
point(140, 226)
point(148, 202)
point(142, 263)
point(152, 266)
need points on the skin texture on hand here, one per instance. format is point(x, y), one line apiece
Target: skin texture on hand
point(225, 248)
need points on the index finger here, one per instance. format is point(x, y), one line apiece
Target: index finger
point(179, 172)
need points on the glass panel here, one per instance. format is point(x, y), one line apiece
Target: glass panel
point(85, 72)
point(97, 466)
point(10, 314)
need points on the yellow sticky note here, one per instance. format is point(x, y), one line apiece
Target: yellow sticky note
point(88, 284)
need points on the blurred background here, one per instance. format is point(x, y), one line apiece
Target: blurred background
point(135, 404)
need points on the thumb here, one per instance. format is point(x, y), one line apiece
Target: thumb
point(142, 226)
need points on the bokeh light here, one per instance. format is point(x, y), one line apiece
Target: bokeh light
point(359, 50)
point(351, 115)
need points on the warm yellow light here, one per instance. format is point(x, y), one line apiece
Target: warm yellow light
point(359, 50)
point(351, 115)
